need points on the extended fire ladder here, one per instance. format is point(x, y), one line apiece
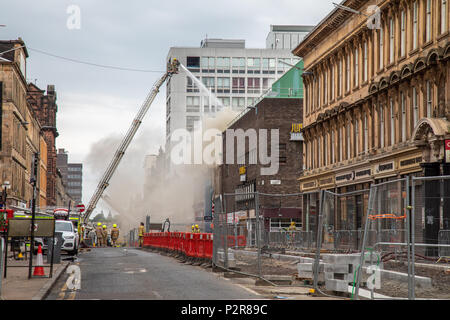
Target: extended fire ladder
point(172, 68)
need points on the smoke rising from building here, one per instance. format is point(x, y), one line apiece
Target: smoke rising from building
point(135, 191)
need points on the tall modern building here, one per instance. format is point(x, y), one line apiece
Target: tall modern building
point(286, 36)
point(236, 75)
point(72, 176)
point(75, 181)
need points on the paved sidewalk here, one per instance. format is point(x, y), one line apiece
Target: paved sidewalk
point(17, 286)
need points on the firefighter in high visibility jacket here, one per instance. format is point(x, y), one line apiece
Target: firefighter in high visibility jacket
point(105, 236)
point(291, 229)
point(197, 229)
point(141, 234)
point(193, 229)
point(99, 234)
point(114, 234)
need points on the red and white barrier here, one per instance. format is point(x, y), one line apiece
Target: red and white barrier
point(191, 245)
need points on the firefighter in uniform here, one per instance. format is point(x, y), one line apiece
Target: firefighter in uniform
point(197, 229)
point(292, 228)
point(105, 236)
point(114, 234)
point(141, 234)
point(99, 234)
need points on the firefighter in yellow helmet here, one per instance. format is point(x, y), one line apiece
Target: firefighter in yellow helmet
point(114, 234)
point(197, 229)
point(105, 235)
point(141, 234)
point(193, 228)
point(99, 234)
point(291, 229)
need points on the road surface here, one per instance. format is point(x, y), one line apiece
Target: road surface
point(118, 273)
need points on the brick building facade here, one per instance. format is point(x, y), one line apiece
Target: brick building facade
point(19, 134)
point(45, 108)
point(244, 177)
point(377, 104)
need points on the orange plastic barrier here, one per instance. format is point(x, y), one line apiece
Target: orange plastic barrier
point(209, 246)
point(239, 241)
point(194, 245)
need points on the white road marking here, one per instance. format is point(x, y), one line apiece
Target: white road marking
point(157, 294)
point(248, 289)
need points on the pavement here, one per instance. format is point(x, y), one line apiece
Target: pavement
point(17, 286)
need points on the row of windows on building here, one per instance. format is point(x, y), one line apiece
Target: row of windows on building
point(231, 85)
point(211, 105)
point(74, 176)
point(251, 157)
point(74, 184)
point(389, 121)
point(74, 169)
point(239, 64)
point(196, 104)
point(360, 59)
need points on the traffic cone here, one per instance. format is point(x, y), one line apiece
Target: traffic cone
point(39, 268)
point(20, 256)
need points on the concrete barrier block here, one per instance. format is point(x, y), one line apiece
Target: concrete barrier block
point(336, 285)
point(309, 266)
point(304, 266)
point(341, 258)
point(329, 276)
point(338, 268)
point(305, 274)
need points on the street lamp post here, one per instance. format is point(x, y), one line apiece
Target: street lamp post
point(33, 209)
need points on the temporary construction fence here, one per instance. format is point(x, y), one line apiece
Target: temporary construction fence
point(341, 220)
point(133, 238)
point(339, 231)
point(264, 225)
point(405, 222)
point(288, 240)
point(386, 225)
point(444, 239)
point(387, 228)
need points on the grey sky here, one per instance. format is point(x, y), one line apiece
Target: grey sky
point(95, 103)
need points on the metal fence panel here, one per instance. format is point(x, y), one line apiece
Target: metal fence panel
point(430, 236)
point(385, 229)
point(250, 229)
point(444, 239)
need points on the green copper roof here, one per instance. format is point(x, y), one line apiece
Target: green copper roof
point(290, 85)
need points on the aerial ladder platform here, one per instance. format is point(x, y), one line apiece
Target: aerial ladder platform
point(172, 68)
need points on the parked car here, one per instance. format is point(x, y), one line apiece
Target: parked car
point(70, 237)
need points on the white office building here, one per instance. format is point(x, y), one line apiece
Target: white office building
point(286, 36)
point(234, 75)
